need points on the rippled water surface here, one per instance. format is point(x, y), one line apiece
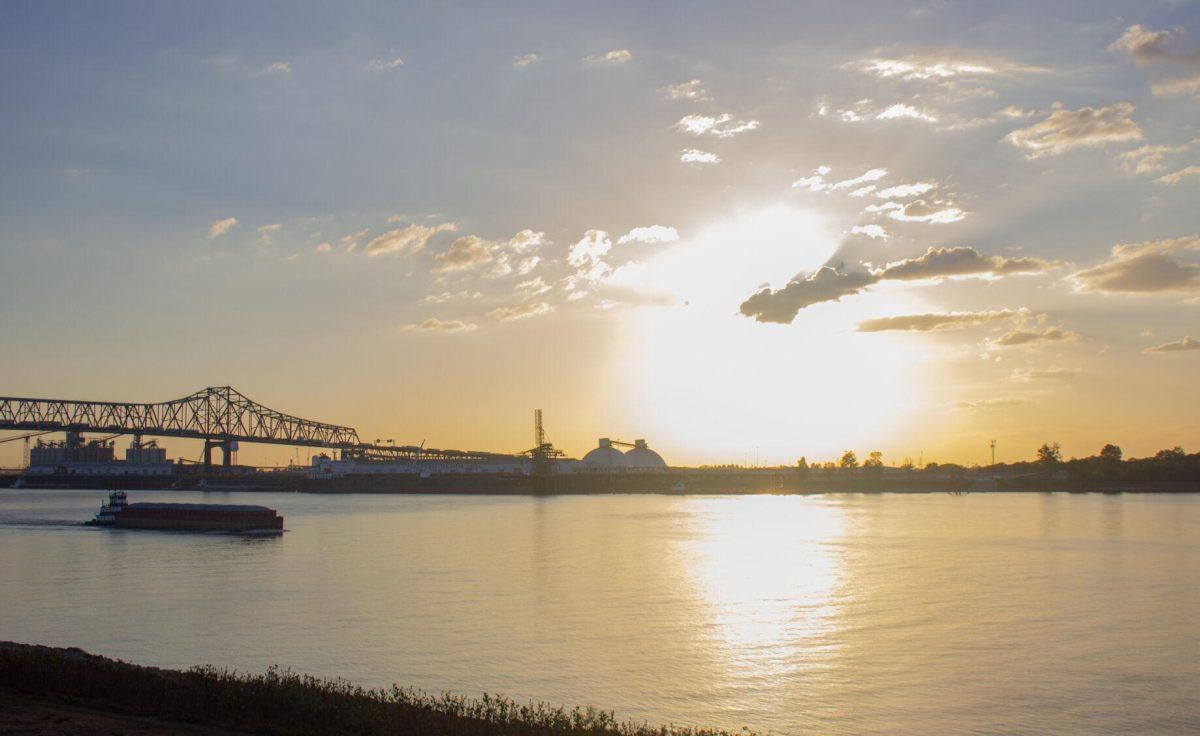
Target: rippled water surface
point(930, 613)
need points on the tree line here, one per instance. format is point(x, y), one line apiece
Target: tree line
point(1109, 463)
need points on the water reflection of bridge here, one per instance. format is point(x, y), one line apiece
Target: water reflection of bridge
point(221, 416)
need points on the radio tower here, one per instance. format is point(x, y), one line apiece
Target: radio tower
point(539, 432)
point(992, 446)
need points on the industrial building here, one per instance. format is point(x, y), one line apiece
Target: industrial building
point(76, 456)
point(607, 458)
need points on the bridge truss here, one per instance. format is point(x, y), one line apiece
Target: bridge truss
point(216, 414)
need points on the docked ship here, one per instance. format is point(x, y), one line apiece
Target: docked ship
point(118, 513)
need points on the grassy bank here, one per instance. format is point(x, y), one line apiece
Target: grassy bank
point(285, 703)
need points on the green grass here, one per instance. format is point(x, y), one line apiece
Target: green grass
point(289, 704)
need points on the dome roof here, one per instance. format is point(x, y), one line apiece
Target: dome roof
point(605, 456)
point(642, 457)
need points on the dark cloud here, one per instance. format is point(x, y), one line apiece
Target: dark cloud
point(1145, 268)
point(931, 322)
point(1032, 336)
point(962, 261)
point(829, 284)
point(782, 305)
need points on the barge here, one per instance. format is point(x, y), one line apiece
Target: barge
point(118, 513)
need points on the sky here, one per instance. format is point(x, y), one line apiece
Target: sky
point(745, 232)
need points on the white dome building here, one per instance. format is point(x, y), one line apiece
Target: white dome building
point(641, 457)
point(605, 456)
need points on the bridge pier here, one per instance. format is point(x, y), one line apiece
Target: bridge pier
point(226, 447)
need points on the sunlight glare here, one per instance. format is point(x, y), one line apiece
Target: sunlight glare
point(716, 385)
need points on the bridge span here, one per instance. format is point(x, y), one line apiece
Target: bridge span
point(221, 416)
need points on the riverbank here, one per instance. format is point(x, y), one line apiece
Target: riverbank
point(48, 690)
point(772, 481)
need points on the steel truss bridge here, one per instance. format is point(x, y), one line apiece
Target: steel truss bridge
point(221, 416)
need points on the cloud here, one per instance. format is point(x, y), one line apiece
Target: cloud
point(520, 311)
point(350, 242)
point(433, 324)
point(266, 231)
point(1029, 375)
point(936, 212)
point(696, 156)
point(905, 190)
point(936, 322)
point(1178, 176)
point(465, 253)
point(220, 227)
point(1142, 44)
point(616, 56)
point(1033, 336)
point(940, 67)
point(278, 67)
point(962, 261)
point(1150, 159)
point(1002, 402)
point(814, 183)
point(868, 176)
point(899, 110)
point(1144, 268)
point(411, 238)
point(1146, 46)
point(1182, 86)
point(871, 231)
point(1086, 127)
point(590, 249)
point(470, 251)
point(323, 248)
point(527, 264)
point(525, 60)
point(692, 91)
point(827, 284)
point(1187, 344)
point(719, 126)
point(379, 65)
point(526, 240)
point(650, 234)
point(533, 287)
point(863, 191)
point(447, 296)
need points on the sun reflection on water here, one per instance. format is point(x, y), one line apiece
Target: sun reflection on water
point(767, 569)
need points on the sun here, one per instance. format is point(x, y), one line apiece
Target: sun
point(710, 385)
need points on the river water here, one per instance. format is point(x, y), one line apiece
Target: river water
point(892, 613)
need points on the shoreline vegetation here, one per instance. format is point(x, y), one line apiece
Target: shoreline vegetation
point(62, 690)
point(1167, 471)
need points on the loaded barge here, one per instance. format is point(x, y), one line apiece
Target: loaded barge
point(118, 513)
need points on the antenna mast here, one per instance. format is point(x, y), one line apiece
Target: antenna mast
point(539, 433)
point(992, 445)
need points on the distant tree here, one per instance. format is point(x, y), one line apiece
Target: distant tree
point(802, 465)
point(849, 460)
point(1049, 454)
point(1173, 455)
point(874, 461)
point(1111, 453)
point(907, 464)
